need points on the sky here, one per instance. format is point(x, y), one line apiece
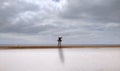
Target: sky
point(40, 22)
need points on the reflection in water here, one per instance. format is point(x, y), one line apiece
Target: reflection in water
point(61, 54)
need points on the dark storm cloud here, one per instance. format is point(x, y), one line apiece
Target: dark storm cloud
point(95, 10)
point(23, 16)
point(9, 11)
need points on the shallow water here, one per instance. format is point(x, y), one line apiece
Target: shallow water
point(72, 59)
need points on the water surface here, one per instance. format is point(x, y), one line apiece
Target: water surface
point(75, 59)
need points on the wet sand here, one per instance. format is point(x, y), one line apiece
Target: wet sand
point(65, 59)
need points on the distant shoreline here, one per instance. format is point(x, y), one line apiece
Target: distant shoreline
point(67, 46)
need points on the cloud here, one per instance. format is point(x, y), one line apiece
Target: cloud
point(96, 10)
point(78, 21)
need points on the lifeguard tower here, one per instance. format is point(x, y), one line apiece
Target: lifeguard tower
point(59, 41)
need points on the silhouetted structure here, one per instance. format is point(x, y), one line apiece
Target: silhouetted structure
point(59, 41)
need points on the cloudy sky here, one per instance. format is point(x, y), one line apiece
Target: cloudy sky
point(42, 21)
